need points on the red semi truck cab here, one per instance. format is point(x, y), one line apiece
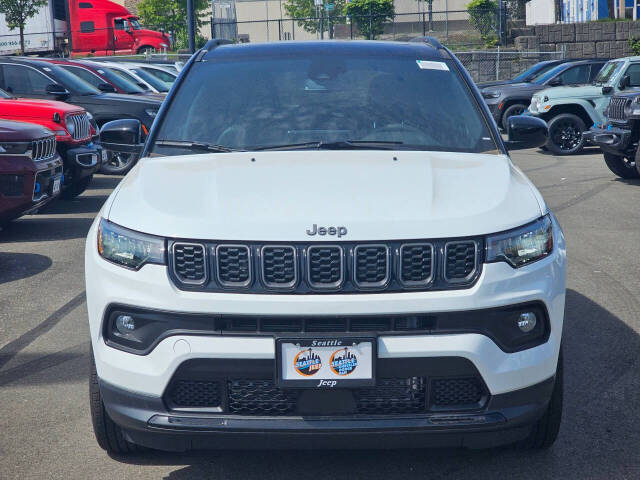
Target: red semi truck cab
point(101, 27)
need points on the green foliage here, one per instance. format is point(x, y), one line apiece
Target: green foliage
point(634, 44)
point(370, 15)
point(483, 17)
point(171, 15)
point(305, 12)
point(17, 12)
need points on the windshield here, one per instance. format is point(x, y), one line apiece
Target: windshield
point(127, 76)
point(548, 74)
point(4, 94)
point(151, 80)
point(284, 101)
point(534, 71)
point(121, 82)
point(608, 72)
point(134, 23)
point(71, 82)
point(161, 75)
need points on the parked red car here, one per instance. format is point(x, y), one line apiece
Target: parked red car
point(74, 130)
point(30, 169)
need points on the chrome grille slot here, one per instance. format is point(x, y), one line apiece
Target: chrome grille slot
point(416, 264)
point(43, 149)
point(279, 266)
point(233, 264)
point(325, 266)
point(189, 263)
point(82, 126)
point(371, 266)
point(459, 261)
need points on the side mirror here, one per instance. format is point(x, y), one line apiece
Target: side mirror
point(607, 90)
point(106, 87)
point(555, 82)
point(526, 132)
point(625, 82)
point(57, 90)
point(122, 136)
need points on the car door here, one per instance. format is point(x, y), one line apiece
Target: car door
point(122, 36)
point(25, 81)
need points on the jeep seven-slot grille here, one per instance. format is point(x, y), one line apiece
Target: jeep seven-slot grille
point(316, 268)
point(390, 396)
point(82, 126)
point(43, 149)
point(616, 108)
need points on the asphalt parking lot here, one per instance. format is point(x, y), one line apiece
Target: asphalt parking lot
point(44, 412)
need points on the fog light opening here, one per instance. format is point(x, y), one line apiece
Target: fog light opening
point(125, 324)
point(527, 322)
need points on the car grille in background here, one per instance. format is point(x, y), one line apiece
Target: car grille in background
point(616, 108)
point(390, 396)
point(459, 392)
point(316, 268)
point(189, 262)
point(460, 260)
point(82, 126)
point(43, 149)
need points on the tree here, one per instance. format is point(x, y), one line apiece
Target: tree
point(483, 17)
point(370, 15)
point(17, 12)
point(171, 15)
point(305, 13)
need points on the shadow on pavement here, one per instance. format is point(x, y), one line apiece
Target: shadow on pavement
point(595, 439)
point(37, 228)
point(16, 266)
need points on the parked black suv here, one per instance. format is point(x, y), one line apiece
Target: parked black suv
point(529, 74)
point(619, 136)
point(39, 79)
point(513, 99)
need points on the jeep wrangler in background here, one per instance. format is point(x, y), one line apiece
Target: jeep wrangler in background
point(618, 136)
point(570, 111)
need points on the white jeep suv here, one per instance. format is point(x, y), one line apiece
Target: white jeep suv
point(325, 244)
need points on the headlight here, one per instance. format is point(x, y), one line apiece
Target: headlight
point(523, 245)
point(151, 112)
point(128, 248)
point(490, 94)
point(71, 128)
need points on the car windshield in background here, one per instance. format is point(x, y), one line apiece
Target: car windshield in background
point(335, 101)
point(121, 82)
point(532, 72)
point(151, 80)
point(607, 73)
point(127, 76)
point(71, 82)
point(541, 78)
point(160, 74)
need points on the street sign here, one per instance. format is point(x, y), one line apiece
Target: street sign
point(318, 3)
point(328, 7)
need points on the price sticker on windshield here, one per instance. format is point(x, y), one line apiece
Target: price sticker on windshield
point(431, 65)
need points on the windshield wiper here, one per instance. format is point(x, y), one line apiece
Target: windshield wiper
point(339, 145)
point(205, 147)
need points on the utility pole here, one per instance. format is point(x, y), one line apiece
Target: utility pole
point(191, 22)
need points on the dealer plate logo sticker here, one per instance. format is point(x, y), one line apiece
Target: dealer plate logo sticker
point(307, 362)
point(343, 362)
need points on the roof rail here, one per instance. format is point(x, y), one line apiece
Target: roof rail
point(428, 40)
point(215, 42)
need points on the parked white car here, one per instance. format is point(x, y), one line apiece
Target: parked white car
point(325, 245)
point(142, 77)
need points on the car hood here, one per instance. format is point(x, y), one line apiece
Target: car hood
point(520, 89)
point(277, 196)
point(483, 85)
point(29, 107)
point(21, 132)
point(573, 91)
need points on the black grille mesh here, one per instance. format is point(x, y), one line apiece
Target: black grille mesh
point(233, 264)
point(279, 265)
point(260, 397)
point(393, 396)
point(460, 260)
point(325, 265)
point(449, 392)
point(193, 394)
point(371, 264)
point(416, 263)
point(189, 262)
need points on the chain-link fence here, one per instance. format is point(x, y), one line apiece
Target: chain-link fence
point(489, 65)
point(455, 28)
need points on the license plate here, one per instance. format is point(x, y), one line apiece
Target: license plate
point(341, 362)
point(104, 155)
point(56, 186)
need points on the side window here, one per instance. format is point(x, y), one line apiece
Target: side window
point(164, 76)
point(575, 75)
point(595, 69)
point(87, 27)
point(21, 80)
point(634, 74)
point(85, 75)
point(119, 23)
point(85, 5)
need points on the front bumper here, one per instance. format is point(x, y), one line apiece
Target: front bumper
point(610, 139)
point(495, 105)
point(80, 161)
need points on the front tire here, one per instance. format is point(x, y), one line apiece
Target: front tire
point(76, 188)
point(108, 435)
point(622, 166)
point(545, 431)
point(118, 163)
point(565, 134)
point(515, 109)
